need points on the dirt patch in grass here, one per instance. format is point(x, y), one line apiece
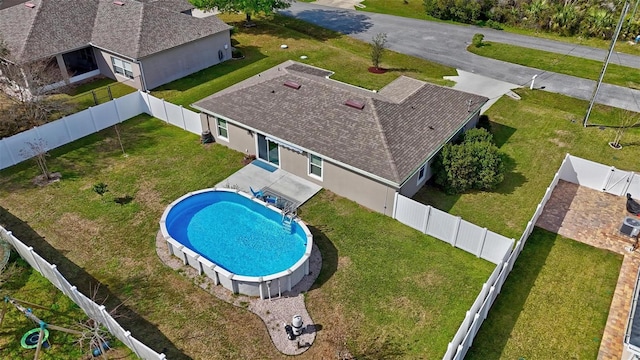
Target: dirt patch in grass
point(558, 142)
point(426, 280)
point(343, 262)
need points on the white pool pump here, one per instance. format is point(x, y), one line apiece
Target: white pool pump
point(296, 324)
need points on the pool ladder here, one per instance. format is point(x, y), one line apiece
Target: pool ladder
point(287, 219)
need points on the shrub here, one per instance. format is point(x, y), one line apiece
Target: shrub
point(476, 163)
point(100, 188)
point(477, 40)
point(494, 25)
point(478, 135)
point(378, 45)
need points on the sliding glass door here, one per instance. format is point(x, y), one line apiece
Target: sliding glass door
point(268, 150)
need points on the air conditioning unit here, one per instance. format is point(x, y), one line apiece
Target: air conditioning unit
point(630, 226)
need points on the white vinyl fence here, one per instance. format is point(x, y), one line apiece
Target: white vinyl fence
point(452, 229)
point(16, 149)
point(463, 339)
point(600, 177)
point(95, 311)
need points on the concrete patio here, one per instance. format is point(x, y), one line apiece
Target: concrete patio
point(271, 180)
point(594, 218)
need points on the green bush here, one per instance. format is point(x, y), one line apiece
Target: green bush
point(477, 40)
point(478, 135)
point(475, 163)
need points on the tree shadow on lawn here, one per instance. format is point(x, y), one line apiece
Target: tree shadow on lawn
point(341, 21)
point(501, 133)
point(140, 328)
point(329, 256)
point(512, 179)
point(503, 316)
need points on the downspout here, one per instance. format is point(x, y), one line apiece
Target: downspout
point(142, 78)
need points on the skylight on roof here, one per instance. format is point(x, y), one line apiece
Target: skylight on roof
point(119, 3)
point(30, 5)
point(292, 84)
point(355, 104)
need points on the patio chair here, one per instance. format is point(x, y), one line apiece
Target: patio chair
point(259, 194)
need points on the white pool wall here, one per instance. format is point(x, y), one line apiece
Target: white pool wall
point(272, 285)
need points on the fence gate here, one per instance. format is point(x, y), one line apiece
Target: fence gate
point(618, 182)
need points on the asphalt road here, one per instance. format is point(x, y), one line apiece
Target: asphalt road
point(446, 44)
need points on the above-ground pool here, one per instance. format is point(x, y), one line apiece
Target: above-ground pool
point(240, 242)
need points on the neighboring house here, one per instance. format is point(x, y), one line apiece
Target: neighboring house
point(145, 43)
point(361, 144)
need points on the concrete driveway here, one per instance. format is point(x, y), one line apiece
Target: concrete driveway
point(446, 44)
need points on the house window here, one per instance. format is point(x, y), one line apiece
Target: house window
point(223, 131)
point(422, 173)
point(315, 166)
point(122, 67)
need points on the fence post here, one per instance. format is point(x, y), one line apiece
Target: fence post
point(164, 107)
point(66, 127)
point(148, 103)
point(93, 120)
point(427, 216)
point(395, 206)
point(456, 227)
point(482, 241)
point(184, 123)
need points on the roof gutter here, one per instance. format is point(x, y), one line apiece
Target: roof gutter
point(437, 150)
point(142, 78)
point(347, 166)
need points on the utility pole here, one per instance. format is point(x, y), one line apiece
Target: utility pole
point(625, 9)
point(633, 13)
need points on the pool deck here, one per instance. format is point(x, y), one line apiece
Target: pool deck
point(275, 312)
point(594, 218)
point(294, 188)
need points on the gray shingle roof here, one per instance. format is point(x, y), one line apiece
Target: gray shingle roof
point(136, 29)
point(391, 137)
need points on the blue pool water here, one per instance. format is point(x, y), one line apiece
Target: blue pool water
point(236, 233)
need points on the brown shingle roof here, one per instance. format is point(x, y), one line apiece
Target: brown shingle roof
point(136, 29)
point(390, 137)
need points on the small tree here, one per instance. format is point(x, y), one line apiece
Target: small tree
point(28, 85)
point(377, 49)
point(477, 40)
point(38, 151)
point(627, 119)
point(475, 163)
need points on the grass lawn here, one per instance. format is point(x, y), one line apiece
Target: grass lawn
point(559, 63)
point(94, 240)
point(552, 306)
point(378, 275)
point(535, 133)
point(260, 45)
point(535, 313)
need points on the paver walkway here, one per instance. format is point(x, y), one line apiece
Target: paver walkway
point(594, 218)
point(275, 312)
